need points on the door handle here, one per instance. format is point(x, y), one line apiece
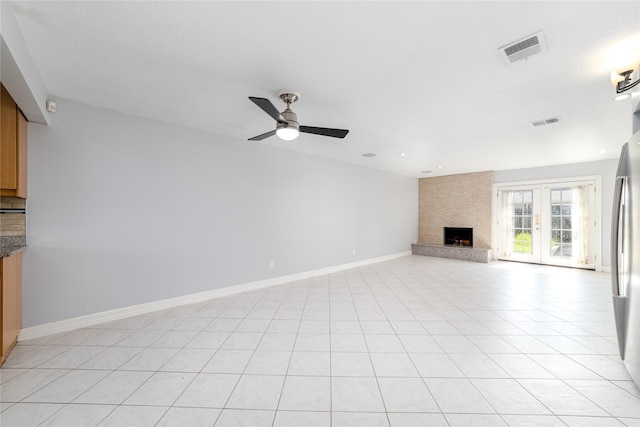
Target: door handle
point(615, 228)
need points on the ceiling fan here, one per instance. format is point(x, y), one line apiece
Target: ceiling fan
point(287, 126)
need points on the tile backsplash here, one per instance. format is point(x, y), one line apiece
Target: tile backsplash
point(13, 224)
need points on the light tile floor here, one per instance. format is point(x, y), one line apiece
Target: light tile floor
point(416, 341)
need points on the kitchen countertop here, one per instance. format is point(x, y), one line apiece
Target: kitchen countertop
point(10, 245)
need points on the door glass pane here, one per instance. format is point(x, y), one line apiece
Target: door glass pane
point(517, 197)
point(560, 222)
point(517, 222)
point(522, 205)
point(566, 237)
point(527, 200)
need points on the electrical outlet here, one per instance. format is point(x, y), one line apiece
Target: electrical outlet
point(272, 264)
point(354, 251)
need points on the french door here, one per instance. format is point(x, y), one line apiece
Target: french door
point(550, 223)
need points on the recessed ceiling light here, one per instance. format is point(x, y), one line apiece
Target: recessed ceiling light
point(603, 151)
point(403, 154)
point(439, 167)
point(426, 171)
point(369, 155)
point(621, 97)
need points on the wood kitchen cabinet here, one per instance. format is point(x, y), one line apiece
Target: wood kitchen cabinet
point(13, 148)
point(10, 302)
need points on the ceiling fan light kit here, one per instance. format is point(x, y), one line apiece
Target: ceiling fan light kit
point(287, 133)
point(290, 129)
point(287, 126)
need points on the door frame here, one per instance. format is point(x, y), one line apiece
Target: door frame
point(597, 238)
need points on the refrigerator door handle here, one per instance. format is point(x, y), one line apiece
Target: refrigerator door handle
point(618, 300)
point(615, 230)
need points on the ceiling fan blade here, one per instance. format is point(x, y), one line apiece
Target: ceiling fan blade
point(336, 133)
point(268, 108)
point(263, 136)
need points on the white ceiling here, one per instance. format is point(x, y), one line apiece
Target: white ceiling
point(423, 78)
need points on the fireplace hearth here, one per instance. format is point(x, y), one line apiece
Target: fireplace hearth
point(458, 236)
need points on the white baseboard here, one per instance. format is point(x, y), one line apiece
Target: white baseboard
point(135, 310)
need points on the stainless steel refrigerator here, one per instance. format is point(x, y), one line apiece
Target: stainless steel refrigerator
point(625, 256)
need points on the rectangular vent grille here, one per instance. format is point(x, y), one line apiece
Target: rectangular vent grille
point(531, 41)
point(523, 48)
point(543, 122)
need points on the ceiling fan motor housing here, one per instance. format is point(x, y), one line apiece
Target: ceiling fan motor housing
point(291, 118)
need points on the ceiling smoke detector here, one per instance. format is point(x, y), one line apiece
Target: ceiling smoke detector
point(523, 48)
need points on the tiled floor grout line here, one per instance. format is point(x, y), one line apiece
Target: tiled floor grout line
point(413, 362)
point(564, 382)
point(407, 353)
point(286, 373)
point(417, 370)
point(253, 353)
point(196, 374)
point(386, 412)
point(330, 353)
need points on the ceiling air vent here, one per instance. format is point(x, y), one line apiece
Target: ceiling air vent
point(548, 121)
point(523, 48)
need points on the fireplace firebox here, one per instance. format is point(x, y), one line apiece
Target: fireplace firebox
point(458, 236)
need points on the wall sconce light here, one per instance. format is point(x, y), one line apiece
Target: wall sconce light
point(625, 79)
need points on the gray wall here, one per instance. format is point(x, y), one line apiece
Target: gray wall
point(605, 168)
point(124, 210)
